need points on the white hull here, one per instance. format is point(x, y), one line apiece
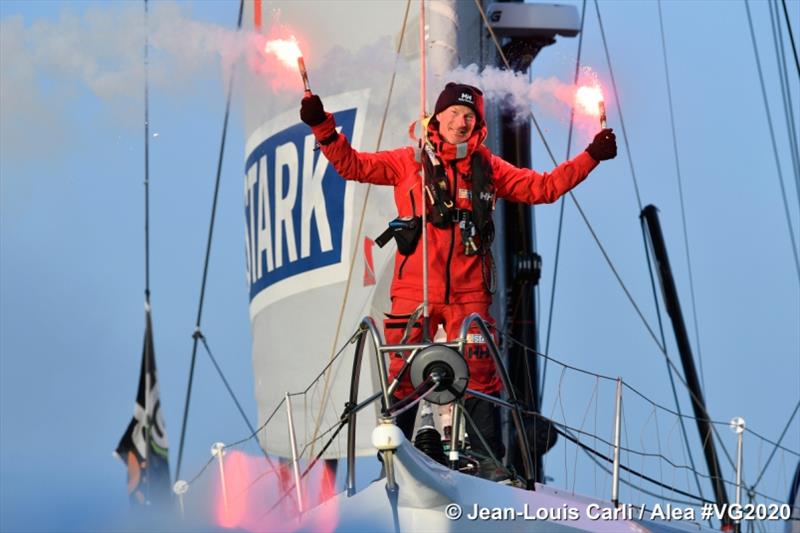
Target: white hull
point(427, 492)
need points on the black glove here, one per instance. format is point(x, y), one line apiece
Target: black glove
point(604, 145)
point(311, 110)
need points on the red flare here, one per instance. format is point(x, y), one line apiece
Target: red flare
point(589, 99)
point(286, 50)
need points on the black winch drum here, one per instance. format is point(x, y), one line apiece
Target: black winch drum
point(447, 362)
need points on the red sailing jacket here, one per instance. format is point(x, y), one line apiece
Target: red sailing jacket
point(453, 277)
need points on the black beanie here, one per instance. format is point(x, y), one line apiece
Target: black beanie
point(461, 94)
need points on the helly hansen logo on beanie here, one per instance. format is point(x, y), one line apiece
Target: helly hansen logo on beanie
point(466, 97)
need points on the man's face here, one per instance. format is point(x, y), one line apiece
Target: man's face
point(456, 123)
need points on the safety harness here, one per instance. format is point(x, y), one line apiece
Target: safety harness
point(476, 225)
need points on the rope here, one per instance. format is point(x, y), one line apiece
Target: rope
point(777, 445)
point(707, 417)
point(491, 32)
point(262, 426)
point(786, 93)
point(680, 193)
point(233, 396)
point(652, 334)
point(619, 105)
point(561, 211)
point(289, 490)
point(338, 426)
point(772, 138)
point(498, 464)
point(426, 316)
point(340, 319)
point(589, 226)
point(791, 36)
point(594, 452)
point(679, 179)
point(511, 339)
point(148, 354)
point(585, 219)
point(146, 162)
point(254, 432)
point(208, 254)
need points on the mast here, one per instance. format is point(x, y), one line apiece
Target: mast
point(671, 302)
point(522, 264)
point(523, 270)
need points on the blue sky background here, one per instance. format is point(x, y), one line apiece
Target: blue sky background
point(71, 236)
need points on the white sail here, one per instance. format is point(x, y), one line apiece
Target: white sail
point(313, 269)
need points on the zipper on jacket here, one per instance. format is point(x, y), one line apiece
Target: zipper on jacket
point(452, 238)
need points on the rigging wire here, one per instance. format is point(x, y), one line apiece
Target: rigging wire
point(567, 434)
point(791, 35)
point(684, 433)
point(775, 449)
point(426, 316)
point(204, 282)
point(561, 211)
point(619, 106)
point(337, 427)
point(663, 343)
point(648, 249)
point(611, 379)
point(576, 440)
point(147, 355)
point(240, 441)
point(683, 381)
point(208, 254)
point(776, 444)
point(575, 200)
point(478, 433)
point(608, 259)
point(680, 194)
point(146, 161)
point(493, 35)
point(281, 402)
point(254, 432)
point(633, 389)
point(786, 93)
point(772, 138)
point(231, 393)
point(325, 394)
point(594, 455)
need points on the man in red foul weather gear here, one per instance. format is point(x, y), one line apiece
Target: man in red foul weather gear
point(463, 180)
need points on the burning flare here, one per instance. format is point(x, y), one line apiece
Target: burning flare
point(589, 99)
point(288, 52)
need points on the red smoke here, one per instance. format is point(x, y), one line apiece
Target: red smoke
point(253, 488)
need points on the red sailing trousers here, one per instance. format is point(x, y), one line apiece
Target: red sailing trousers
point(482, 370)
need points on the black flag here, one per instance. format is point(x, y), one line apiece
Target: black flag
point(143, 447)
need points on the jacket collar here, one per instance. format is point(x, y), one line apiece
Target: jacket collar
point(454, 152)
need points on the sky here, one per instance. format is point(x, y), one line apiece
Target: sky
point(72, 235)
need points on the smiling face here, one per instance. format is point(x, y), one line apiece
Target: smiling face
point(456, 123)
